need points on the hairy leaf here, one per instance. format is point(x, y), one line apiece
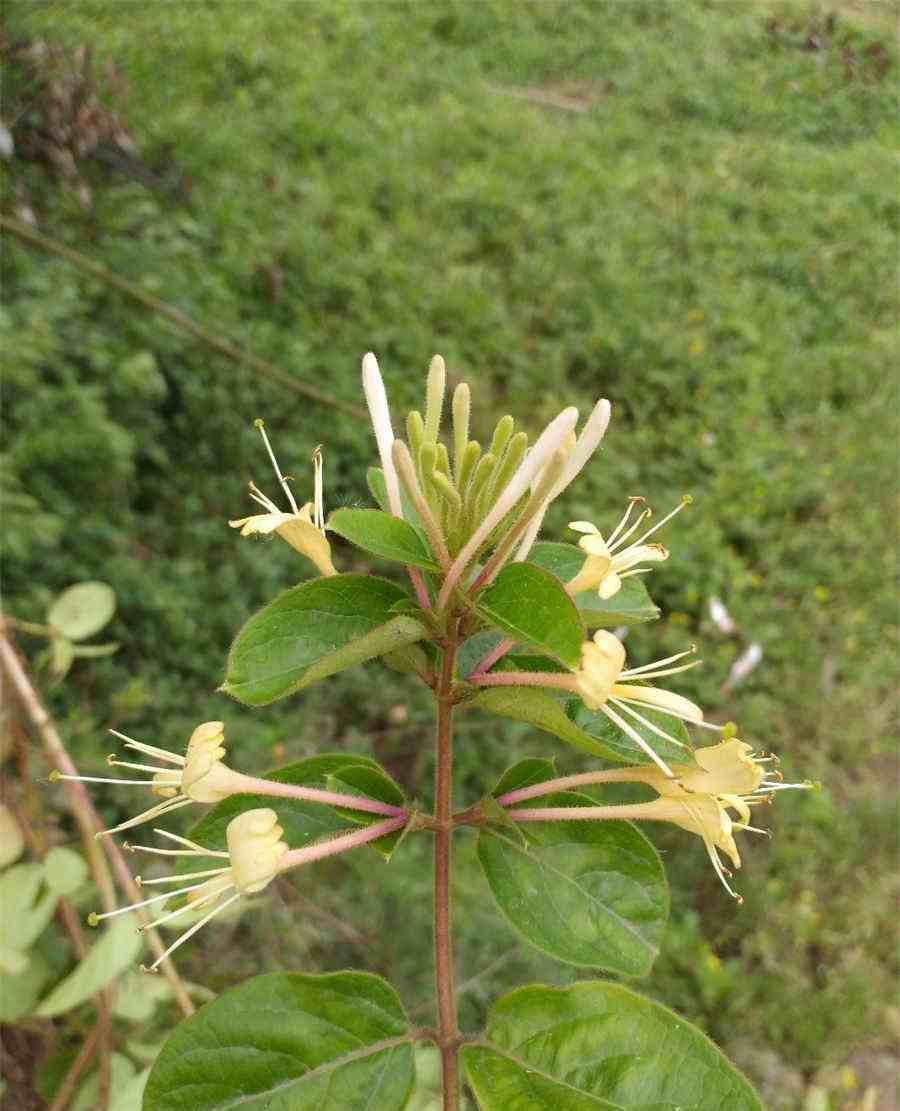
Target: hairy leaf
point(117, 948)
point(630, 605)
point(584, 729)
point(597, 1045)
point(314, 630)
point(530, 604)
point(382, 535)
point(289, 1042)
point(589, 893)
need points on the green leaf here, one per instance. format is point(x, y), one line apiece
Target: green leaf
point(562, 560)
point(588, 893)
point(374, 783)
point(139, 995)
point(64, 870)
point(121, 1077)
point(96, 651)
point(303, 822)
point(543, 711)
point(25, 912)
point(62, 653)
point(82, 609)
point(597, 1045)
point(117, 949)
point(630, 605)
point(20, 991)
point(597, 725)
point(382, 535)
point(314, 630)
point(376, 484)
point(530, 604)
point(524, 774)
point(129, 1096)
point(584, 729)
point(289, 1042)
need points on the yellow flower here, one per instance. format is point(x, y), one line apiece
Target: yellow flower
point(198, 776)
point(303, 528)
point(255, 852)
point(603, 682)
point(725, 777)
point(608, 563)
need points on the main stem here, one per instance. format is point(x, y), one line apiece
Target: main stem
point(443, 950)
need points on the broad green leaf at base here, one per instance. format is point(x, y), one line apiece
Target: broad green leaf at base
point(289, 1042)
point(588, 893)
point(598, 1045)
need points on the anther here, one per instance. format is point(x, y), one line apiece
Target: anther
point(93, 919)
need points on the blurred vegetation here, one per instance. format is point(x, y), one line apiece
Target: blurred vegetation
point(690, 208)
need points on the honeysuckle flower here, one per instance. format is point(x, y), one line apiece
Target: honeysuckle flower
point(603, 682)
point(608, 563)
point(697, 797)
point(304, 527)
point(726, 776)
point(255, 856)
point(255, 850)
point(198, 776)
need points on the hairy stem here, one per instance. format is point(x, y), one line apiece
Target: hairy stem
point(443, 950)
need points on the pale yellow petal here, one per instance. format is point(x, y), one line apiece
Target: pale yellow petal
point(610, 584)
point(663, 699)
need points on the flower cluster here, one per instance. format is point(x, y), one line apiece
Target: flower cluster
point(481, 511)
point(697, 797)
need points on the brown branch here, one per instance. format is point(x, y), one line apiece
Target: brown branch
point(85, 815)
point(181, 320)
point(67, 1089)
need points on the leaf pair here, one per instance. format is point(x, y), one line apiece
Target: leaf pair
point(341, 1042)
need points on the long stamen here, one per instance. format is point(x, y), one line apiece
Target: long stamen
point(184, 841)
point(685, 501)
point(659, 663)
point(114, 762)
point(195, 905)
point(636, 524)
point(632, 502)
point(638, 739)
point(149, 750)
point(648, 724)
point(169, 852)
point(94, 918)
point(720, 872)
point(190, 933)
point(176, 879)
point(154, 812)
point(262, 499)
point(662, 671)
point(281, 478)
point(174, 781)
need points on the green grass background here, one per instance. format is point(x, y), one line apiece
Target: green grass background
point(690, 208)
